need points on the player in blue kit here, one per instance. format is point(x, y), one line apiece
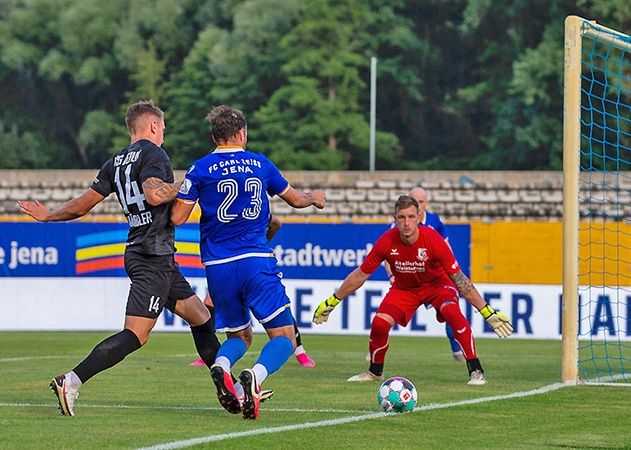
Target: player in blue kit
point(300, 353)
point(431, 220)
point(232, 186)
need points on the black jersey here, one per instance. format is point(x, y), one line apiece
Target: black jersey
point(150, 229)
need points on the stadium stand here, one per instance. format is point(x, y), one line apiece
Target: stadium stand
point(457, 195)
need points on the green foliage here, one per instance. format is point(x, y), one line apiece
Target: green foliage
point(609, 11)
point(148, 76)
point(100, 129)
point(316, 116)
point(248, 73)
point(236, 66)
point(26, 150)
point(461, 84)
point(188, 99)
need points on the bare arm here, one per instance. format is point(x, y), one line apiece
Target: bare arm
point(181, 211)
point(386, 266)
point(467, 290)
point(300, 199)
point(273, 227)
point(158, 192)
point(72, 209)
point(353, 281)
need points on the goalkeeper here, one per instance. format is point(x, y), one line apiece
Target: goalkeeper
point(425, 272)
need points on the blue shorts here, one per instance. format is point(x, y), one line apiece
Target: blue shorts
point(248, 284)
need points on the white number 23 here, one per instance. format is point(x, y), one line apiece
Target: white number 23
point(231, 188)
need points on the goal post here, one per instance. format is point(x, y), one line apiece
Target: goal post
point(596, 308)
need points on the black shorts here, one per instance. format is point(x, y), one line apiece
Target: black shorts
point(156, 283)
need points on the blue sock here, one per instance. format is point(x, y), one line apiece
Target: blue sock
point(232, 349)
point(275, 353)
point(455, 347)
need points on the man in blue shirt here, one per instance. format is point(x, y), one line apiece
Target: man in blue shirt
point(232, 186)
point(300, 353)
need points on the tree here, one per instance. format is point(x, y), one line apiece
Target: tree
point(314, 121)
point(528, 125)
point(59, 54)
point(235, 64)
point(466, 84)
point(72, 61)
point(25, 150)
point(188, 98)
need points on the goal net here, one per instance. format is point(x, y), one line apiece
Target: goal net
point(597, 204)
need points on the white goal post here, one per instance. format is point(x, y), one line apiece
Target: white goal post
point(596, 339)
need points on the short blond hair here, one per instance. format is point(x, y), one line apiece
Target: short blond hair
point(139, 109)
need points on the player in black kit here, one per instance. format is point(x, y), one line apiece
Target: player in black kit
point(142, 178)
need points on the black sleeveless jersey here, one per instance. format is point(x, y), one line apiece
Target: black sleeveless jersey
point(150, 229)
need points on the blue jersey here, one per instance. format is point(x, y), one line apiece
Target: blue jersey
point(433, 221)
point(232, 187)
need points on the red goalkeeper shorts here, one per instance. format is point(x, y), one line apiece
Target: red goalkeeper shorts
point(402, 304)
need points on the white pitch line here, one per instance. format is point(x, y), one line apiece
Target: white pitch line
point(332, 422)
point(185, 408)
point(608, 380)
point(30, 358)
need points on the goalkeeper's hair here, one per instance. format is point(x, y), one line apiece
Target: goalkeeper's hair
point(225, 122)
point(138, 110)
point(403, 202)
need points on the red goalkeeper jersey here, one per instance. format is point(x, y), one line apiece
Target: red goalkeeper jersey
point(428, 261)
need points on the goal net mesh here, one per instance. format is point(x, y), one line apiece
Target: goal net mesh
point(604, 353)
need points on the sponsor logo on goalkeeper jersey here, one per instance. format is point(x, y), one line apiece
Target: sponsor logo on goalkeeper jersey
point(409, 266)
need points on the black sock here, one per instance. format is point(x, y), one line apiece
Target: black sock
point(474, 364)
point(211, 310)
point(206, 342)
point(107, 353)
point(297, 333)
point(376, 369)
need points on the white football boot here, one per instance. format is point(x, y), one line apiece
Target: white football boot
point(477, 378)
point(66, 394)
point(366, 376)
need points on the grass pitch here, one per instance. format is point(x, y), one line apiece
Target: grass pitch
point(153, 398)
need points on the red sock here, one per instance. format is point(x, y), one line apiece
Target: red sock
point(462, 330)
point(379, 339)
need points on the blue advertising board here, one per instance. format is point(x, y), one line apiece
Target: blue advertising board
point(332, 251)
point(93, 249)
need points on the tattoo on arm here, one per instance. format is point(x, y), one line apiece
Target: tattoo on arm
point(463, 284)
point(165, 191)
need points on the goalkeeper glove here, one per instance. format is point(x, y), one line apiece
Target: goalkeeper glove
point(498, 321)
point(323, 310)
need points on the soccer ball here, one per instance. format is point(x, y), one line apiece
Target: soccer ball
point(397, 394)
